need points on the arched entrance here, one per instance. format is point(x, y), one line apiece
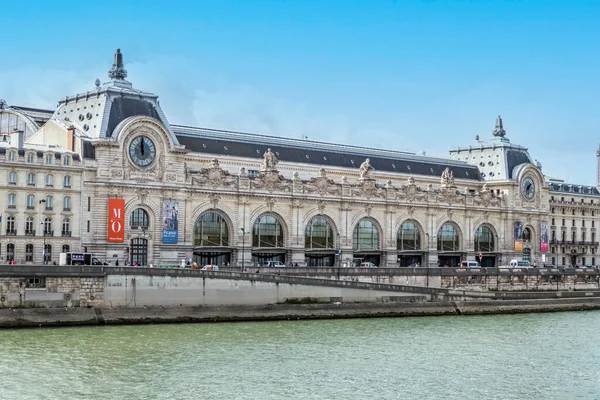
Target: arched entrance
point(485, 245)
point(319, 243)
point(211, 240)
point(408, 244)
point(268, 240)
point(366, 243)
point(448, 246)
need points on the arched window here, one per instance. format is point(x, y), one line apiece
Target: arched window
point(267, 232)
point(12, 200)
point(31, 157)
point(30, 226)
point(48, 231)
point(12, 156)
point(28, 252)
point(12, 178)
point(47, 253)
point(10, 251)
point(366, 236)
point(66, 203)
point(527, 235)
point(49, 202)
point(66, 227)
point(11, 225)
point(319, 234)
point(66, 248)
point(67, 160)
point(448, 239)
point(139, 219)
point(409, 237)
point(484, 239)
point(66, 181)
point(211, 230)
point(30, 202)
point(31, 179)
point(49, 180)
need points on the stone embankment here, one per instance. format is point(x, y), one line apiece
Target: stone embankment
point(52, 317)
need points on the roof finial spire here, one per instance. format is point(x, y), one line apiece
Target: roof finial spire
point(117, 71)
point(499, 129)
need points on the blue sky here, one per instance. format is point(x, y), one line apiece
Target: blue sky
point(407, 75)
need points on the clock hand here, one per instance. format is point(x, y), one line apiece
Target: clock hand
point(142, 147)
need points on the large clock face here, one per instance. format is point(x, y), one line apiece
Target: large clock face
point(528, 188)
point(142, 151)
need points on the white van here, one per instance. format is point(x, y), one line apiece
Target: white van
point(274, 264)
point(470, 264)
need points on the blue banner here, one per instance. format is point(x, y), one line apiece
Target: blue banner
point(170, 222)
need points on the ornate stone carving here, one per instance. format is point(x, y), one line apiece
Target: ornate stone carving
point(269, 162)
point(214, 199)
point(410, 181)
point(450, 196)
point(487, 198)
point(321, 206)
point(242, 172)
point(447, 178)
point(368, 189)
point(271, 181)
point(171, 177)
point(366, 170)
point(214, 176)
point(368, 208)
point(410, 192)
point(270, 201)
point(322, 185)
point(142, 194)
point(116, 173)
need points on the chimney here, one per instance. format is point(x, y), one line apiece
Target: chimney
point(71, 138)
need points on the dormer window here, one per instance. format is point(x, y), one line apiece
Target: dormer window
point(67, 160)
point(31, 158)
point(12, 156)
point(49, 160)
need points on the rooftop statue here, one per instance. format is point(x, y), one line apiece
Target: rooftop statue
point(269, 161)
point(366, 170)
point(447, 178)
point(499, 129)
point(118, 71)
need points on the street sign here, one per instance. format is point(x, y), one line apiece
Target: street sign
point(480, 257)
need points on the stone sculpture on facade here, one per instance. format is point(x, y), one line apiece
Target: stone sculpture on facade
point(447, 178)
point(366, 170)
point(213, 176)
point(322, 184)
point(269, 162)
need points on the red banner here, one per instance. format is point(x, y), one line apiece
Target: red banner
point(116, 220)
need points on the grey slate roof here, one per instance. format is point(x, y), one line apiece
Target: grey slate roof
point(569, 188)
point(239, 144)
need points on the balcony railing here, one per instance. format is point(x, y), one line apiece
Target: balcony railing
point(66, 233)
point(11, 232)
point(66, 208)
point(30, 232)
point(48, 208)
point(48, 233)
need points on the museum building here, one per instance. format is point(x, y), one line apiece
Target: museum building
point(107, 173)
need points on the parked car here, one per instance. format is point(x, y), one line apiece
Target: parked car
point(367, 265)
point(274, 264)
point(210, 268)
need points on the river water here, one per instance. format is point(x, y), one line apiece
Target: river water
point(530, 356)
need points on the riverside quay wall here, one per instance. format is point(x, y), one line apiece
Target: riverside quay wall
point(70, 286)
point(471, 279)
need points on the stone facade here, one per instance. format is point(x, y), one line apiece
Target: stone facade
point(222, 197)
